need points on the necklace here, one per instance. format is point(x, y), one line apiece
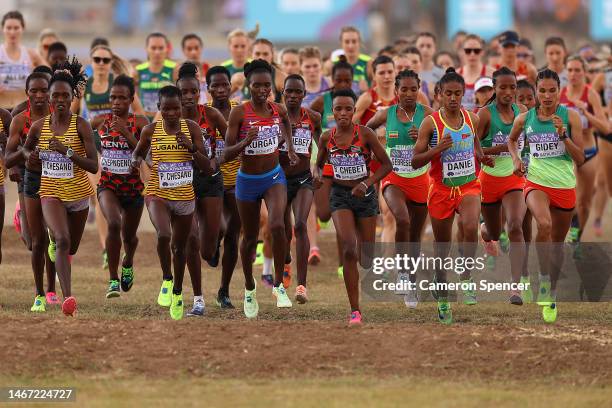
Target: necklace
point(410, 118)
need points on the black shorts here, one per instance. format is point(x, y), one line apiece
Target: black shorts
point(208, 186)
point(126, 202)
point(341, 198)
point(20, 184)
point(31, 184)
point(296, 182)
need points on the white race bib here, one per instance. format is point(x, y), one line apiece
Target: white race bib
point(301, 141)
point(349, 167)
point(401, 156)
point(266, 141)
point(459, 167)
point(219, 147)
point(545, 145)
point(56, 165)
point(172, 175)
point(116, 161)
point(502, 139)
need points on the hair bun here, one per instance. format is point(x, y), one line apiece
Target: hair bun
point(450, 70)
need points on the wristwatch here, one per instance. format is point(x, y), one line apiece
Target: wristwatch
point(69, 153)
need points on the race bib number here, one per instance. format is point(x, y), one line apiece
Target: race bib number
point(502, 139)
point(458, 164)
point(13, 76)
point(401, 156)
point(207, 148)
point(301, 141)
point(546, 145)
point(172, 175)
point(116, 161)
point(56, 165)
point(266, 141)
point(351, 167)
point(219, 147)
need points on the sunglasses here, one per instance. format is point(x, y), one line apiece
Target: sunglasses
point(474, 51)
point(100, 60)
point(523, 55)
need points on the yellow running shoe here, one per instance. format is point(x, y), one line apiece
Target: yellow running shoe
point(177, 306)
point(39, 304)
point(164, 298)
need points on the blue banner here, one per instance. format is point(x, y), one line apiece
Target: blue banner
point(601, 19)
point(487, 18)
point(305, 20)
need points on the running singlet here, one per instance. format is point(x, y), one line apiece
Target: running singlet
point(269, 133)
point(469, 96)
point(116, 172)
point(549, 165)
point(229, 64)
point(13, 73)
point(400, 145)
point(61, 178)
point(302, 135)
point(498, 135)
point(149, 83)
point(455, 166)
point(97, 104)
point(584, 97)
point(327, 118)
point(229, 170)
point(360, 72)
point(172, 172)
point(377, 104)
point(311, 96)
point(352, 162)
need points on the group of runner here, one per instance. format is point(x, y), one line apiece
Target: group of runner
point(202, 146)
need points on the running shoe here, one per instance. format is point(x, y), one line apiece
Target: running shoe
point(341, 272)
point(177, 306)
point(251, 307)
point(515, 299)
point(301, 294)
point(469, 295)
point(52, 298)
point(355, 318)
point(544, 297)
point(323, 224)
point(598, 228)
point(51, 249)
point(410, 299)
point(39, 304)
point(259, 257)
point(164, 298)
point(17, 218)
point(445, 314)
point(127, 278)
point(223, 300)
point(214, 261)
point(504, 242)
point(198, 308)
point(104, 259)
point(549, 312)
point(282, 300)
point(267, 280)
point(314, 257)
point(490, 262)
point(69, 306)
point(491, 247)
point(573, 235)
point(526, 294)
point(287, 276)
point(113, 290)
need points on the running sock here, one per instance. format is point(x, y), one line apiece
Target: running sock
point(267, 266)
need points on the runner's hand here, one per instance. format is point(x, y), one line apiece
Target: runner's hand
point(251, 135)
point(293, 157)
point(119, 125)
point(558, 123)
point(184, 141)
point(15, 175)
point(136, 162)
point(519, 167)
point(359, 190)
point(56, 145)
point(413, 133)
point(487, 161)
point(34, 158)
point(317, 177)
point(445, 143)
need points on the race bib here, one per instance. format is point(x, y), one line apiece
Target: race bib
point(13, 76)
point(172, 175)
point(501, 139)
point(207, 148)
point(116, 161)
point(351, 167)
point(266, 141)
point(219, 147)
point(149, 101)
point(301, 141)
point(458, 164)
point(545, 145)
point(56, 165)
point(401, 156)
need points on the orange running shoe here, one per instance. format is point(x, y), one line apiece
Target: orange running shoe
point(301, 295)
point(315, 256)
point(287, 276)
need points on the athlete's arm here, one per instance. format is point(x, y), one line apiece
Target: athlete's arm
point(321, 159)
point(279, 79)
point(6, 121)
point(19, 108)
point(12, 154)
point(315, 117)
point(143, 146)
point(237, 82)
point(513, 137)
point(573, 145)
point(480, 156)
point(157, 116)
point(362, 104)
point(317, 105)
point(422, 153)
point(599, 82)
point(233, 147)
point(484, 123)
point(378, 120)
point(217, 120)
point(88, 163)
point(598, 117)
point(381, 156)
point(287, 133)
point(197, 147)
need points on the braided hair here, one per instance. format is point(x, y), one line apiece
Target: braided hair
point(451, 76)
point(500, 72)
point(407, 73)
point(255, 66)
point(71, 73)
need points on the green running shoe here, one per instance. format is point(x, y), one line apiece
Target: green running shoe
point(469, 295)
point(504, 242)
point(526, 294)
point(51, 249)
point(251, 307)
point(127, 278)
point(544, 297)
point(573, 235)
point(445, 315)
point(341, 272)
point(324, 224)
point(490, 262)
point(549, 312)
point(282, 300)
point(113, 289)
point(104, 259)
point(177, 306)
point(164, 298)
point(39, 304)
point(259, 257)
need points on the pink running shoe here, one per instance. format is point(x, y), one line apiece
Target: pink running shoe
point(69, 306)
point(17, 218)
point(355, 318)
point(491, 248)
point(52, 298)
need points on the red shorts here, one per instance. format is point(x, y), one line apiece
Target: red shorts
point(562, 198)
point(414, 189)
point(443, 201)
point(495, 188)
point(328, 170)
